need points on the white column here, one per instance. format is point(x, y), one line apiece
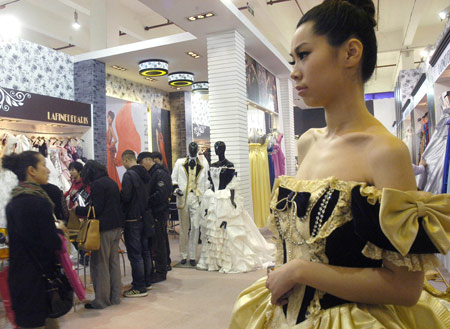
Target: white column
point(104, 24)
point(228, 105)
point(287, 114)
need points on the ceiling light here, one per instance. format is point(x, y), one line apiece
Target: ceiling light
point(201, 87)
point(181, 79)
point(190, 53)
point(9, 28)
point(445, 13)
point(75, 23)
point(117, 67)
point(200, 16)
point(150, 79)
point(153, 67)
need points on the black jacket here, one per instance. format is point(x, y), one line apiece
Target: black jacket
point(134, 194)
point(57, 196)
point(31, 231)
point(160, 189)
point(105, 197)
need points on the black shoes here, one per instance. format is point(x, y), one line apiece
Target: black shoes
point(88, 306)
point(192, 262)
point(158, 277)
point(183, 261)
point(169, 267)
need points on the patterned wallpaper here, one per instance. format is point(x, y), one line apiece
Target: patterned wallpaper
point(408, 80)
point(31, 67)
point(200, 113)
point(136, 92)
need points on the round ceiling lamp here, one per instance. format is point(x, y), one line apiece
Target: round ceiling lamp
point(181, 79)
point(201, 87)
point(153, 68)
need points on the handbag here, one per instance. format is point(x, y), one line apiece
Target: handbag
point(59, 290)
point(89, 236)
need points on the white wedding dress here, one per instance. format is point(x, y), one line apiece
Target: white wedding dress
point(237, 247)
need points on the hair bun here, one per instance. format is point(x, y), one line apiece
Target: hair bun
point(367, 6)
point(10, 161)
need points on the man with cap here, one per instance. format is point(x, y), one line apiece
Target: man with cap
point(160, 189)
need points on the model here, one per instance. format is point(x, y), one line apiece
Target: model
point(354, 236)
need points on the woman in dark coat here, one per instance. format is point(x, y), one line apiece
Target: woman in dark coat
point(104, 264)
point(32, 236)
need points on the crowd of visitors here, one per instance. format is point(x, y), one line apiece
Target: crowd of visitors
point(38, 211)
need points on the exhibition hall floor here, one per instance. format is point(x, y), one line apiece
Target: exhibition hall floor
point(188, 299)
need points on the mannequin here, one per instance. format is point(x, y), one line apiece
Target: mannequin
point(189, 178)
point(231, 241)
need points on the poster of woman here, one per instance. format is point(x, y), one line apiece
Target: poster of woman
point(126, 130)
point(161, 135)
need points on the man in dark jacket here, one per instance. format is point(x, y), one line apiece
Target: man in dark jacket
point(134, 196)
point(160, 191)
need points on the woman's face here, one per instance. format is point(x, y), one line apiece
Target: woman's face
point(74, 174)
point(316, 70)
point(39, 174)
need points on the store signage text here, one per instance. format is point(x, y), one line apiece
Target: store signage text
point(67, 118)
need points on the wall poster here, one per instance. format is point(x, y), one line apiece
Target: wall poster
point(261, 85)
point(126, 124)
point(161, 139)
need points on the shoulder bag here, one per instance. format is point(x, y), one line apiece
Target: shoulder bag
point(59, 291)
point(89, 235)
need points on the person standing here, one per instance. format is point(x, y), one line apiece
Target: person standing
point(31, 231)
point(134, 196)
point(160, 190)
point(104, 263)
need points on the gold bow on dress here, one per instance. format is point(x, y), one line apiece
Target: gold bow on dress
point(399, 218)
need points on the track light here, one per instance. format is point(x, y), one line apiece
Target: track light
point(445, 13)
point(75, 23)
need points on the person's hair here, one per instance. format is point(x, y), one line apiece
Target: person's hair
point(92, 170)
point(19, 163)
point(129, 155)
point(340, 20)
point(111, 114)
point(156, 155)
point(76, 165)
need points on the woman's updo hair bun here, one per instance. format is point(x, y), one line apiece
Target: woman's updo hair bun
point(19, 163)
point(367, 6)
point(340, 20)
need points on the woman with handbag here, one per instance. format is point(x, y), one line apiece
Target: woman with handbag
point(33, 240)
point(104, 263)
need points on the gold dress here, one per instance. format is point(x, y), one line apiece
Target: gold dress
point(350, 224)
point(259, 170)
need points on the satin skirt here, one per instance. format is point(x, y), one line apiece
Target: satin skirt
point(253, 310)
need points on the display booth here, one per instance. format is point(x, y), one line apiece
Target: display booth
point(59, 129)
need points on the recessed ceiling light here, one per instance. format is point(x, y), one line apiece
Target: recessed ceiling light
point(200, 16)
point(190, 53)
point(117, 67)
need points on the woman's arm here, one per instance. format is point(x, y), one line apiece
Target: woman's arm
point(386, 285)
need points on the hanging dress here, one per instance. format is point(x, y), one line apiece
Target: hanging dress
point(231, 241)
point(362, 226)
point(259, 171)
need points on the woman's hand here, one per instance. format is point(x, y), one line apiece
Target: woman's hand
point(282, 280)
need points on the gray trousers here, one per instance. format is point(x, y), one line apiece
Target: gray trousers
point(105, 270)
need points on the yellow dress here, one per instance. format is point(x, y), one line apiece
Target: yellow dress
point(361, 226)
point(259, 170)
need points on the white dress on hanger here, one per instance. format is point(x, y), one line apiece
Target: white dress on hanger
point(7, 178)
point(57, 170)
point(238, 247)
